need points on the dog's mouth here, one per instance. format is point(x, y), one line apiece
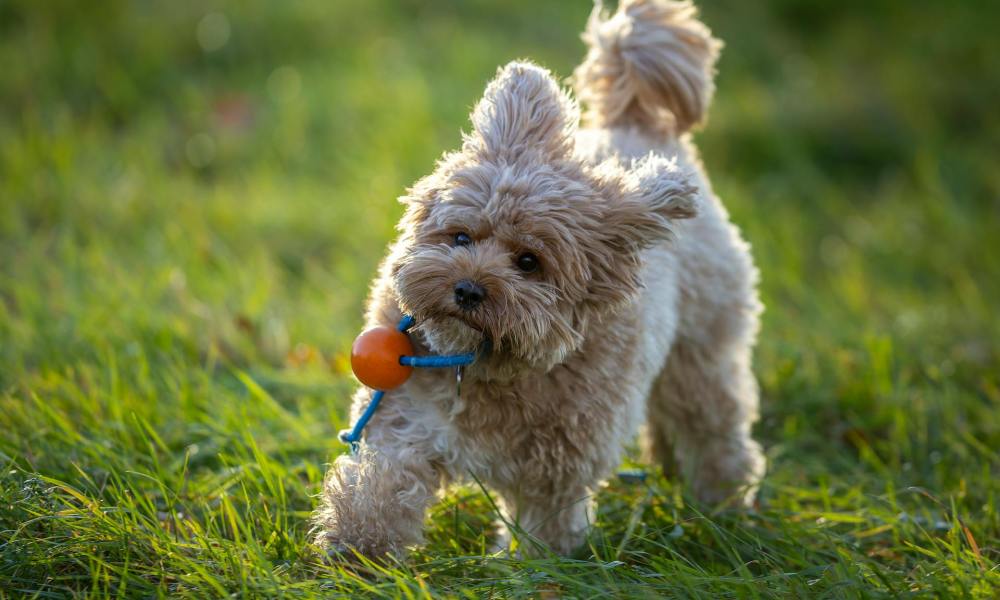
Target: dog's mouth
point(453, 334)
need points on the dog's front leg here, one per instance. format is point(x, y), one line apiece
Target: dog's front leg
point(374, 500)
point(556, 516)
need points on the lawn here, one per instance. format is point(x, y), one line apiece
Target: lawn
point(194, 196)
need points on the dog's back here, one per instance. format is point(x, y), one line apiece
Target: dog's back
point(647, 80)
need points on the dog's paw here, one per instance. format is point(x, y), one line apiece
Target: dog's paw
point(341, 551)
point(729, 475)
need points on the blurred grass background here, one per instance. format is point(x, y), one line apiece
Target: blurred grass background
point(194, 196)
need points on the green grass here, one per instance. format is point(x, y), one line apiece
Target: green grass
point(186, 237)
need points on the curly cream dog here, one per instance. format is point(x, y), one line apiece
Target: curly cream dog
point(607, 278)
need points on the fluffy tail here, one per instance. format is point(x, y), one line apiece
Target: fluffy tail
point(651, 64)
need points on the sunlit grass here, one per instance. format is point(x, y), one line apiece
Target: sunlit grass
point(187, 231)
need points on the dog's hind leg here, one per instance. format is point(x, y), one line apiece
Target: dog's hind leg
point(700, 413)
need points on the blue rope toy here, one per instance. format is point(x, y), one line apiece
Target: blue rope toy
point(353, 435)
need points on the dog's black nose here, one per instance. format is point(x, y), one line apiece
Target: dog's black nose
point(468, 295)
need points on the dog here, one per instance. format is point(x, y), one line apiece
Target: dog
point(589, 256)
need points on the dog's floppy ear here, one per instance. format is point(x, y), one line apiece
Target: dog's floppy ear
point(654, 193)
point(642, 202)
point(524, 109)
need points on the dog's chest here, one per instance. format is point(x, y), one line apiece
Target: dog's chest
point(506, 434)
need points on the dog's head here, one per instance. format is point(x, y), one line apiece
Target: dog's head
point(516, 240)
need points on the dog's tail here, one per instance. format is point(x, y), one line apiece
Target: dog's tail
point(651, 64)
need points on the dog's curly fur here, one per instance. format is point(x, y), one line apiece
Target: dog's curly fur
point(642, 308)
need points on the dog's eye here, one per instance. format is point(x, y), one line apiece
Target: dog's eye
point(462, 239)
point(527, 262)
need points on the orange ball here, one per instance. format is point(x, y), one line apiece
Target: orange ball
point(375, 357)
